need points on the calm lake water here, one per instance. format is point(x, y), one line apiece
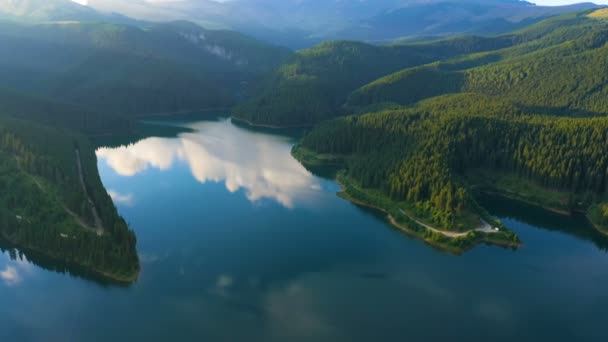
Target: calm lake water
point(239, 242)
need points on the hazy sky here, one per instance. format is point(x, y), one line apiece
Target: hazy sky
point(566, 2)
point(538, 2)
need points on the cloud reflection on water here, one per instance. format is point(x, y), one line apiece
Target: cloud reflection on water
point(10, 276)
point(15, 269)
point(221, 152)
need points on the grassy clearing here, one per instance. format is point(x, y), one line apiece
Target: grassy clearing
point(599, 14)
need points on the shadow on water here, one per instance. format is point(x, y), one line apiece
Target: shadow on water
point(40, 260)
point(576, 225)
point(174, 125)
point(169, 126)
point(143, 130)
point(295, 133)
point(327, 172)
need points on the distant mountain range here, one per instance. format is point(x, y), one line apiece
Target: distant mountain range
point(302, 23)
point(54, 10)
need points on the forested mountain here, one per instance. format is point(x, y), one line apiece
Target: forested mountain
point(441, 18)
point(128, 69)
point(556, 74)
point(314, 83)
point(423, 155)
point(510, 65)
point(303, 23)
point(529, 120)
point(50, 112)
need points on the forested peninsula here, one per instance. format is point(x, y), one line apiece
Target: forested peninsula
point(522, 115)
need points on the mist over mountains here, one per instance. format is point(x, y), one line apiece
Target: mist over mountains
point(302, 23)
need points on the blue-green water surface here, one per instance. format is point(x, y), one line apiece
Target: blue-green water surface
point(239, 242)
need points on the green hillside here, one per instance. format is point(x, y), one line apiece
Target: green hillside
point(132, 70)
point(335, 78)
point(59, 114)
point(527, 121)
point(314, 83)
point(429, 157)
point(44, 207)
point(559, 73)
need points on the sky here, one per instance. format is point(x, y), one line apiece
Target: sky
point(538, 2)
point(566, 2)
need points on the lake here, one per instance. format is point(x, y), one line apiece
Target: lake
point(239, 242)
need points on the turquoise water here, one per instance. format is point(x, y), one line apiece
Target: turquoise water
point(239, 242)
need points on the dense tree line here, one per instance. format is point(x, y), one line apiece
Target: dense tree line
point(128, 70)
point(40, 191)
point(513, 112)
point(420, 154)
point(561, 73)
point(314, 83)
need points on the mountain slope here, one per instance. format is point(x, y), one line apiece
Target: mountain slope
point(303, 23)
point(559, 73)
point(122, 68)
point(331, 79)
point(314, 83)
point(528, 121)
point(440, 18)
point(422, 157)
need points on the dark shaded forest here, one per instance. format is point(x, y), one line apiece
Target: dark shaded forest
point(422, 154)
point(45, 209)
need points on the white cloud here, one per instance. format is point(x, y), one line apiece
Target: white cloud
point(118, 198)
point(10, 276)
point(221, 152)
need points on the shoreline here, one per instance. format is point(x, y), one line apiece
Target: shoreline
point(515, 197)
point(597, 227)
point(562, 212)
point(104, 275)
point(457, 250)
point(436, 238)
point(181, 112)
point(589, 216)
point(393, 222)
point(249, 123)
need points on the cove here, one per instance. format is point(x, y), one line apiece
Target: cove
point(238, 241)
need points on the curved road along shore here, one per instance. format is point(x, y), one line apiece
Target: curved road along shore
point(485, 228)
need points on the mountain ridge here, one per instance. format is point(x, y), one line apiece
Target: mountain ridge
point(301, 24)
